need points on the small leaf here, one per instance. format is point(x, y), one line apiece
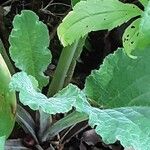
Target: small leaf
point(93, 15)
point(45, 121)
point(68, 121)
point(24, 119)
point(61, 103)
point(29, 40)
point(131, 37)
point(137, 34)
point(144, 30)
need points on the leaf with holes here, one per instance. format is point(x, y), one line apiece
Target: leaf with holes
point(131, 37)
point(144, 29)
point(29, 40)
point(93, 15)
point(137, 34)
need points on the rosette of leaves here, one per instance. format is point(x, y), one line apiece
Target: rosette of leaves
point(120, 87)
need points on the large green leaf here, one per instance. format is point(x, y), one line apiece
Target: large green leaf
point(121, 81)
point(93, 15)
point(60, 103)
point(29, 40)
point(129, 125)
point(7, 101)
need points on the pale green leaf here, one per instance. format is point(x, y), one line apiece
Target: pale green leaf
point(137, 34)
point(2, 142)
point(129, 125)
point(60, 103)
point(131, 37)
point(93, 15)
point(144, 2)
point(29, 41)
point(145, 23)
point(144, 30)
point(121, 81)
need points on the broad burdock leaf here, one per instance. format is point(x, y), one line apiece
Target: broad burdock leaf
point(60, 103)
point(129, 125)
point(29, 41)
point(7, 101)
point(131, 37)
point(122, 84)
point(121, 81)
point(93, 15)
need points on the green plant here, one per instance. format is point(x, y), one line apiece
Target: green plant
point(120, 87)
point(7, 101)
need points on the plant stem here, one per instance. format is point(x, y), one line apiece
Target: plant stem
point(66, 66)
point(74, 61)
point(6, 58)
point(69, 120)
point(62, 69)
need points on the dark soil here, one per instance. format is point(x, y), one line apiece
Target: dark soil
point(101, 43)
